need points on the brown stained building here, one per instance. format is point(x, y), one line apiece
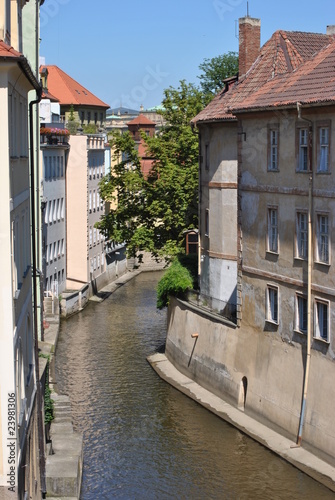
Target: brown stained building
point(137, 126)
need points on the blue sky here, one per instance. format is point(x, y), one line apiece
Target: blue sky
point(128, 51)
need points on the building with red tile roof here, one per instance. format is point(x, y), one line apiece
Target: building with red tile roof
point(87, 107)
point(136, 127)
point(267, 218)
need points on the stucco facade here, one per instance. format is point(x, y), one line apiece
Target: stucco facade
point(266, 241)
point(85, 244)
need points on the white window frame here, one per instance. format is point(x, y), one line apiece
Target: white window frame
point(301, 235)
point(323, 156)
point(301, 314)
point(321, 319)
point(322, 238)
point(272, 304)
point(272, 233)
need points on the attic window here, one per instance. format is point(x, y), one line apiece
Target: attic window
point(77, 91)
point(84, 92)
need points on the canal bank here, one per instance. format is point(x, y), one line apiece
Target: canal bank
point(285, 448)
point(64, 450)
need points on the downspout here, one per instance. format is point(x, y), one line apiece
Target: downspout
point(40, 423)
point(309, 279)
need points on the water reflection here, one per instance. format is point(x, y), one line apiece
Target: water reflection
point(142, 438)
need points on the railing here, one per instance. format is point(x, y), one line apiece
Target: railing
point(227, 310)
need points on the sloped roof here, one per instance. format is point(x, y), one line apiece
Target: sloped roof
point(282, 54)
point(7, 51)
point(312, 82)
point(141, 120)
point(68, 91)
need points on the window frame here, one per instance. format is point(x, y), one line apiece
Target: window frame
point(274, 209)
point(299, 128)
point(317, 332)
point(318, 235)
point(325, 124)
point(298, 232)
point(273, 128)
point(272, 313)
point(299, 297)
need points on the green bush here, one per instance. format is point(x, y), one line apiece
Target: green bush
point(176, 281)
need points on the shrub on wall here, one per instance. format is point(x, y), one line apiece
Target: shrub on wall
point(176, 281)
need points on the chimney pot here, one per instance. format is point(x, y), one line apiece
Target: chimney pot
point(249, 43)
point(331, 29)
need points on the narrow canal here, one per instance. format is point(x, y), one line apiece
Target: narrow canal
point(142, 438)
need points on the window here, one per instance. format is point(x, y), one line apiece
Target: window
point(102, 259)
point(90, 236)
point(273, 230)
point(90, 201)
point(63, 246)
point(50, 252)
point(54, 210)
point(321, 320)
point(207, 156)
point(98, 200)
point(303, 150)
point(58, 166)
point(62, 208)
point(95, 263)
point(302, 235)
point(322, 236)
point(323, 149)
point(98, 261)
point(273, 143)
point(94, 235)
point(301, 314)
point(58, 209)
point(272, 304)
point(50, 211)
point(94, 200)
point(207, 222)
point(61, 167)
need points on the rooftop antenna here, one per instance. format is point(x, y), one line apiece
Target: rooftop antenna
point(247, 9)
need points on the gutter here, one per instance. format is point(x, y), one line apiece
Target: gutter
point(309, 279)
point(40, 423)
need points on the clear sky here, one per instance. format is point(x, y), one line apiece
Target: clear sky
point(128, 51)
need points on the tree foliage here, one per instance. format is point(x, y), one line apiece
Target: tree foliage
point(151, 214)
point(176, 281)
point(215, 70)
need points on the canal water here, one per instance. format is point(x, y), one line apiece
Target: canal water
point(142, 438)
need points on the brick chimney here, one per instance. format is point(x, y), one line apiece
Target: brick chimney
point(249, 43)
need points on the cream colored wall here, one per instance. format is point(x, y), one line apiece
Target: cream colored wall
point(223, 355)
point(76, 213)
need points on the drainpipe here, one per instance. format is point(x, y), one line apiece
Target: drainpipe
point(39, 397)
point(309, 280)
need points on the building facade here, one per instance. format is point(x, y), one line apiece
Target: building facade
point(85, 244)
point(21, 449)
point(266, 221)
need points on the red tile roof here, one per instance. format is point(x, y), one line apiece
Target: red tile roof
point(141, 120)
point(281, 55)
point(7, 51)
point(68, 91)
point(312, 82)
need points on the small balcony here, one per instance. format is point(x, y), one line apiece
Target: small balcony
point(53, 136)
point(227, 310)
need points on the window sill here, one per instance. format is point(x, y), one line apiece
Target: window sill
point(297, 171)
point(300, 259)
point(273, 169)
point(300, 332)
point(270, 252)
point(320, 263)
point(320, 339)
point(271, 322)
point(323, 172)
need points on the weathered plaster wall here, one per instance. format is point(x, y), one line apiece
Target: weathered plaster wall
point(222, 355)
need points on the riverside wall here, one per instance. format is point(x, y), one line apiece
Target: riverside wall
point(258, 373)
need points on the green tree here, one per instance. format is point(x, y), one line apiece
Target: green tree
point(152, 214)
point(215, 70)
